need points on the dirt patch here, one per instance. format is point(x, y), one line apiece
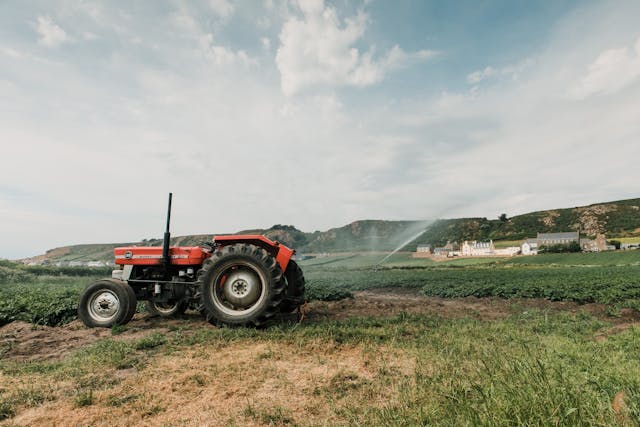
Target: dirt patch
point(24, 341)
point(391, 302)
point(387, 302)
point(21, 341)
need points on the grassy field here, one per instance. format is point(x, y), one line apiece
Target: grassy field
point(531, 368)
point(628, 239)
point(531, 365)
point(404, 259)
point(507, 243)
point(608, 278)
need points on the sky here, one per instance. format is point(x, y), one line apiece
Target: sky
point(308, 112)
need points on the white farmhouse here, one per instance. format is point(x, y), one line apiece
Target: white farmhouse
point(529, 247)
point(510, 251)
point(475, 248)
point(424, 249)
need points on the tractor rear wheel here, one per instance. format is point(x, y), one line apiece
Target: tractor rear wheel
point(166, 309)
point(294, 297)
point(106, 303)
point(241, 286)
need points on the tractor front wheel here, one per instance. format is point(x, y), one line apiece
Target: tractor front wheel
point(106, 303)
point(241, 286)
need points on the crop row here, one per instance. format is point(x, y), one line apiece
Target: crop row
point(608, 285)
point(53, 300)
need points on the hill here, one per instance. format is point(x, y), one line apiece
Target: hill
point(615, 219)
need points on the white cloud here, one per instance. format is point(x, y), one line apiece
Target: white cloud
point(218, 55)
point(611, 71)
point(223, 56)
point(89, 36)
point(51, 35)
point(222, 8)
point(13, 53)
point(479, 75)
point(511, 71)
point(318, 50)
point(266, 43)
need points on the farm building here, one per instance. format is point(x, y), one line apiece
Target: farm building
point(424, 249)
point(475, 248)
point(588, 245)
point(529, 247)
point(601, 243)
point(598, 245)
point(510, 251)
point(452, 246)
point(548, 239)
point(449, 249)
point(441, 252)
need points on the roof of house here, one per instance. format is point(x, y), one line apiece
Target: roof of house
point(479, 245)
point(572, 235)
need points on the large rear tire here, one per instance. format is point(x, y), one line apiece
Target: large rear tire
point(295, 288)
point(106, 303)
point(241, 286)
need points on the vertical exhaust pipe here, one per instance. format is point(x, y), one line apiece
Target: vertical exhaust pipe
point(166, 259)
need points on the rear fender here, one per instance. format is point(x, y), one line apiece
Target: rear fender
point(280, 252)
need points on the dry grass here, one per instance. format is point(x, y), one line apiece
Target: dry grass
point(239, 384)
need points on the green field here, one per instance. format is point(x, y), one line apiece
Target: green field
point(628, 239)
point(530, 367)
point(48, 295)
point(404, 259)
point(608, 278)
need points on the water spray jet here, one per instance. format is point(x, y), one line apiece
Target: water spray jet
point(378, 265)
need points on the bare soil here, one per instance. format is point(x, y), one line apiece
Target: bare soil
point(22, 341)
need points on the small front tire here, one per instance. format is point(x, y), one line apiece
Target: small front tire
point(106, 303)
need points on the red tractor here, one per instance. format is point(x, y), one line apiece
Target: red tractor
point(236, 280)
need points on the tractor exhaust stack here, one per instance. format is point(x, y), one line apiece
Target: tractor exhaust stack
point(166, 259)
